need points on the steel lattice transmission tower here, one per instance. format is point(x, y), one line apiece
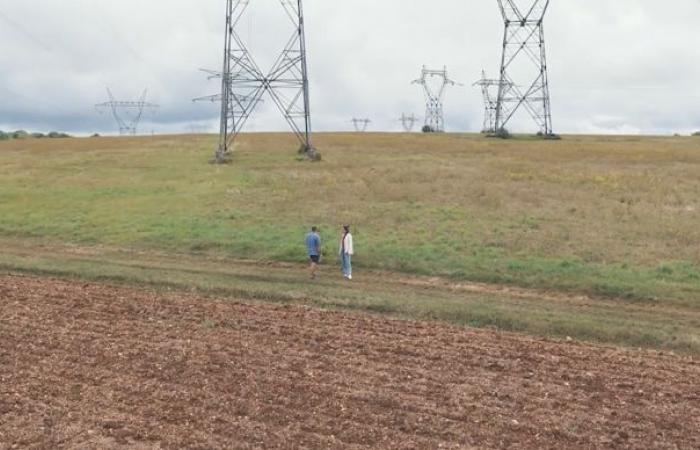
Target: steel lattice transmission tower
point(243, 83)
point(408, 122)
point(360, 124)
point(128, 124)
point(489, 90)
point(434, 114)
point(524, 81)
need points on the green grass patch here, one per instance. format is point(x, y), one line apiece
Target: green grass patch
point(614, 218)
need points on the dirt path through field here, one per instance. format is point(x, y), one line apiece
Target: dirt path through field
point(280, 271)
point(97, 366)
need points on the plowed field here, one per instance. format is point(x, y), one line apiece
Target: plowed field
point(97, 366)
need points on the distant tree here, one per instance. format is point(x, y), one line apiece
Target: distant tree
point(428, 129)
point(20, 134)
point(4, 136)
point(57, 135)
point(697, 133)
point(96, 135)
point(38, 135)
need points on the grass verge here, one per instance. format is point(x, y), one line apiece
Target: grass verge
point(610, 321)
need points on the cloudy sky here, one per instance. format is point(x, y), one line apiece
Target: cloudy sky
point(622, 66)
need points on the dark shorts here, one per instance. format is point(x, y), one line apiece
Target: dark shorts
point(315, 258)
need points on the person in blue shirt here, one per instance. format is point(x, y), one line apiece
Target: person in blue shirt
point(313, 248)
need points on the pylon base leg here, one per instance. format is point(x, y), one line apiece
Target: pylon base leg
point(550, 137)
point(309, 152)
point(222, 156)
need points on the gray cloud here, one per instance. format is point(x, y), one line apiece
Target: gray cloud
point(625, 66)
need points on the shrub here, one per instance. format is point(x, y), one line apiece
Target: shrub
point(503, 134)
point(20, 134)
point(428, 129)
point(4, 136)
point(309, 153)
point(697, 133)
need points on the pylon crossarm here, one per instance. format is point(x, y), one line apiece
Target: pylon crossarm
point(285, 65)
point(288, 67)
point(139, 106)
point(245, 60)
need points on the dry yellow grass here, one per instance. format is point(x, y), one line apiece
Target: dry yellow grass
point(609, 215)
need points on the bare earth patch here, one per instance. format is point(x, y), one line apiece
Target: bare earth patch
point(96, 366)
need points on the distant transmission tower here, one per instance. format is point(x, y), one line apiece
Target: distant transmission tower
point(408, 122)
point(489, 90)
point(243, 83)
point(360, 124)
point(127, 123)
point(524, 55)
point(434, 115)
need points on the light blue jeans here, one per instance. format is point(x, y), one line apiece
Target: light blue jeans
point(346, 263)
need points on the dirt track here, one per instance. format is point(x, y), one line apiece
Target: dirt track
point(95, 366)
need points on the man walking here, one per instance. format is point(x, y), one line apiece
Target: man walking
point(346, 251)
point(313, 248)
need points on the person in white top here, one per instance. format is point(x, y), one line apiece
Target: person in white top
point(346, 251)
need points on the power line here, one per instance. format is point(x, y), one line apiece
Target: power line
point(27, 34)
point(243, 83)
point(408, 122)
point(489, 91)
point(128, 124)
point(360, 124)
point(434, 114)
point(524, 54)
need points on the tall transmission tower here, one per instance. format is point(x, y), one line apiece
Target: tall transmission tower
point(127, 123)
point(524, 56)
point(434, 96)
point(408, 122)
point(243, 83)
point(489, 90)
point(360, 124)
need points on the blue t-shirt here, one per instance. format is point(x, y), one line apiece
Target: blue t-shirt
point(313, 244)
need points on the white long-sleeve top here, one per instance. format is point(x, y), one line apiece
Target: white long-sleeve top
point(347, 243)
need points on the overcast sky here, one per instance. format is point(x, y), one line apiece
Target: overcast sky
point(616, 66)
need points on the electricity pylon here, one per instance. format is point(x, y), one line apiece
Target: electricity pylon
point(489, 90)
point(360, 124)
point(434, 114)
point(243, 83)
point(524, 55)
point(128, 124)
point(408, 122)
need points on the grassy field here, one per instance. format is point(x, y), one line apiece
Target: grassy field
point(609, 218)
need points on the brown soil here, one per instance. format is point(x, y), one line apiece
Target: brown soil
point(90, 366)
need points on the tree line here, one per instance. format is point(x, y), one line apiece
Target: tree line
point(21, 134)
